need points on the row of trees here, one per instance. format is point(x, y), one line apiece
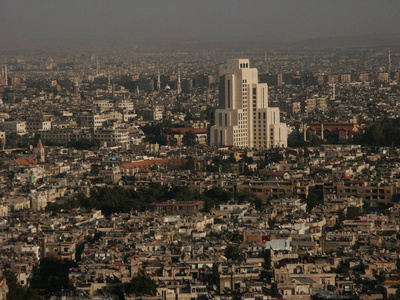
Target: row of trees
point(385, 132)
point(382, 133)
point(50, 278)
point(118, 199)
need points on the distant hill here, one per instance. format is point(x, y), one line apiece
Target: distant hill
point(230, 43)
point(368, 41)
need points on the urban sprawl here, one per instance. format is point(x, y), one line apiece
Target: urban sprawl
point(139, 173)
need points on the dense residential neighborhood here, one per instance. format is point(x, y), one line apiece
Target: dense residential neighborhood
point(145, 181)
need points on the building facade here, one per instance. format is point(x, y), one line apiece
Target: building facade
point(243, 118)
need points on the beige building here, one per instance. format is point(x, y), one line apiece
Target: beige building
point(92, 121)
point(57, 250)
point(33, 126)
point(112, 137)
point(14, 126)
point(244, 118)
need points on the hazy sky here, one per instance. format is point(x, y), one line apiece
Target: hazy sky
point(130, 20)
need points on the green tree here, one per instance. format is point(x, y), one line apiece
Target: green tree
point(313, 200)
point(141, 285)
point(232, 252)
point(189, 139)
point(84, 144)
point(52, 275)
point(353, 212)
point(95, 169)
point(172, 141)
point(14, 140)
point(296, 140)
point(215, 196)
point(15, 290)
point(189, 165)
point(247, 195)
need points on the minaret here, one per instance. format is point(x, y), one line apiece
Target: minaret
point(97, 66)
point(5, 74)
point(178, 84)
point(389, 62)
point(158, 81)
point(322, 130)
point(76, 85)
point(113, 90)
point(39, 151)
point(108, 79)
point(265, 61)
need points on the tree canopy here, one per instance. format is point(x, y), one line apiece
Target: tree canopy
point(232, 252)
point(189, 138)
point(141, 285)
point(382, 133)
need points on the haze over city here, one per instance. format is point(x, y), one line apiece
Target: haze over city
point(87, 21)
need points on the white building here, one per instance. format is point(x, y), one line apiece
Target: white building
point(112, 137)
point(33, 126)
point(14, 126)
point(102, 105)
point(243, 118)
point(92, 121)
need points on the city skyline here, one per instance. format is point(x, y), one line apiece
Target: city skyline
point(199, 150)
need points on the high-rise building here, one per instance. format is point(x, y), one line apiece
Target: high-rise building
point(243, 118)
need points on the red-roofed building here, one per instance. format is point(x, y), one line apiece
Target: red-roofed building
point(179, 133)
point(344, 131)
point(25, 161)
point(129, 169)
